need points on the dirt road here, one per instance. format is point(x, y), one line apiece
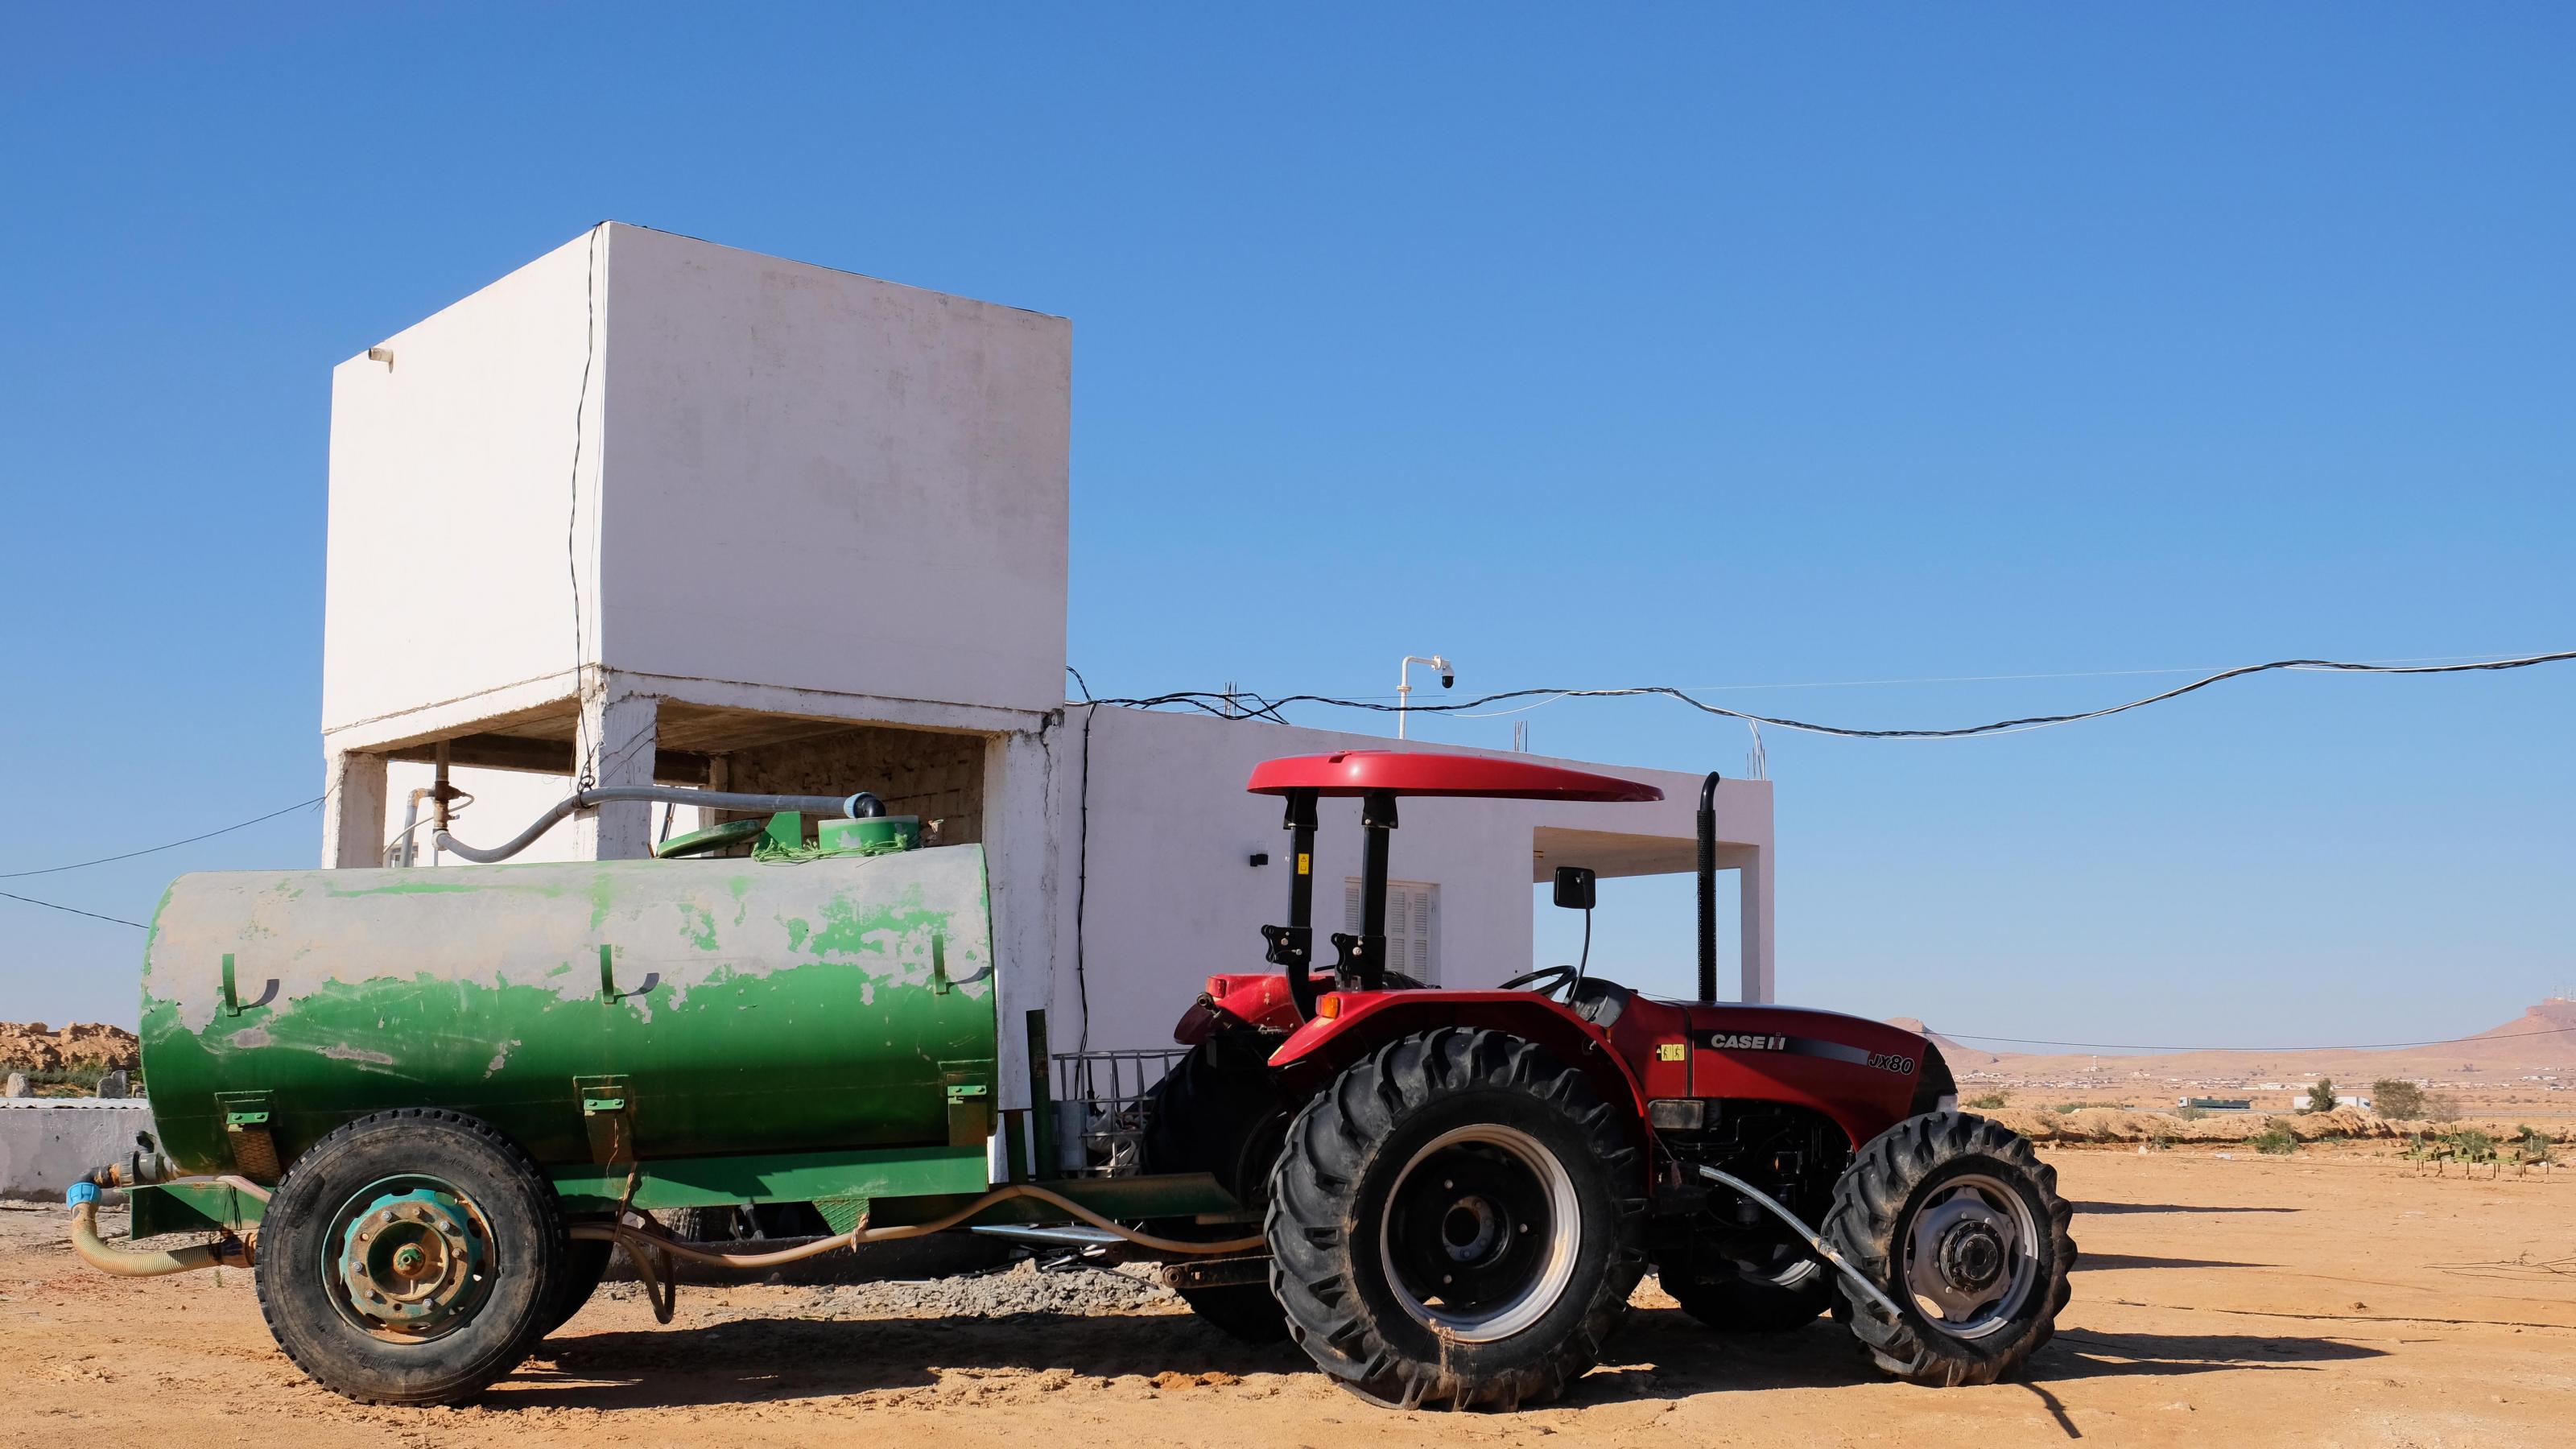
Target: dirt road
point(2306, 1301)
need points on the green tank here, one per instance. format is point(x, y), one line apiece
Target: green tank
point(600, 1012)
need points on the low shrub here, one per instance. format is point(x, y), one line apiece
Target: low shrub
point(2275, 1140)
point(1987, 1103)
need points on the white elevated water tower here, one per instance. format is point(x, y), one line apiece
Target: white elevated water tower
point(656, 509)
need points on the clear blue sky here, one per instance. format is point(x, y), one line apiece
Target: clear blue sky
point(1725, 345)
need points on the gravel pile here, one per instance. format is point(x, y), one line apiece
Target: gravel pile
point(1022, 1287)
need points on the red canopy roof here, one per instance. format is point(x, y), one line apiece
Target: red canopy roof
point(1428, 772)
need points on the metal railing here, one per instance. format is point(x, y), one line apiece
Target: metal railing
point(1103, 1103)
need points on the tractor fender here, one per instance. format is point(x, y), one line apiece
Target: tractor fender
point(1363, 1021)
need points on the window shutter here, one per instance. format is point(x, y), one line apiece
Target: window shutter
point(1412, 925)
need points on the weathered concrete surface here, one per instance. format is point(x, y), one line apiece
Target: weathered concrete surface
point(48, 1143)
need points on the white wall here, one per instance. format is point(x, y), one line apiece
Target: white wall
point(791, 479)
point(1171, 898)
point(450, 488)
point(823, 480)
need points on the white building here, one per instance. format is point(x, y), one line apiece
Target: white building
point(690, 514)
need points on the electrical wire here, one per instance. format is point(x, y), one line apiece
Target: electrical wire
point(1231, 707)
point(75, 910)
point(2006, 678)
point(173, 845)
point(572, 512)
point(1082, 864)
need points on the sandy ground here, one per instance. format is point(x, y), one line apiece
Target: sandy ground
point(2306, 1301)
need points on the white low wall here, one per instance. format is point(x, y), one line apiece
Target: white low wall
point(46, 1144)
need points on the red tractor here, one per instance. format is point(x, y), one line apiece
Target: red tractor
point(1461, 1188)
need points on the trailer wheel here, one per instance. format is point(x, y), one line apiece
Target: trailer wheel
point(585, 1264)
point(1456, 1220)
point(1202, 1117)
point(1957, 1219)
point(1753, 1298)
point(412, 1257)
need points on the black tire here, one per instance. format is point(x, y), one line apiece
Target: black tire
point(475, 1192)
point(1747, 1299)
point(1245, 1311)
point(1547, 1228)
point(702, 1224)
point(1219, 1111)
point(584, 1265)
point(2004, 1211)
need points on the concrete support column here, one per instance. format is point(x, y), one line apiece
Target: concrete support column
point(1753, 913)
point(622, 726)
point(719, 777)
point(1020, 860)
point(353, 810)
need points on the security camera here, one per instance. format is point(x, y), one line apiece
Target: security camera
point(1448, 671)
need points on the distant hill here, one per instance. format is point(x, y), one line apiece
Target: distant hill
point(2542, 1039)
point(1956, 1055)
point(30, 1046)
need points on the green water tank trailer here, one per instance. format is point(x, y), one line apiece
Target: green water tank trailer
point(699, 1007)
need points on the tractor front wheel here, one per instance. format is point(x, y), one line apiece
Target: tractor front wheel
point(1957, 1220)
point(1456, 1221)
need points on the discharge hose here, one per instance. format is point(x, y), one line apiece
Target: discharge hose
point(144, 1263)
point(860, 806)
point(634, 1238)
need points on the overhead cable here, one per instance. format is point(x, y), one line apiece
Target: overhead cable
point(173, 845)
point(1246, 705)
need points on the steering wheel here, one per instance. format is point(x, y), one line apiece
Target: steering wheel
point(1556, 977)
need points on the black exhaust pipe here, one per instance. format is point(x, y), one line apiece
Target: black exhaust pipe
point(1708, 888)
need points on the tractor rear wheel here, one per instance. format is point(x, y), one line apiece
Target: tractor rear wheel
point(1457, 1221)
point(1956, 1219)
point(1218, 1111)
point(412, 1257)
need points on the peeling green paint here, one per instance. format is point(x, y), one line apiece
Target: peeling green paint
point(758, 1035)
point(699, 925)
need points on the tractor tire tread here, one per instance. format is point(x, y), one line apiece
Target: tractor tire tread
point(1868, 1203)
point(1334, 1142)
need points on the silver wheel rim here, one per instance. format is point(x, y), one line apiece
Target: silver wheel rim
point(1486, 1210)
point(1971, 1256)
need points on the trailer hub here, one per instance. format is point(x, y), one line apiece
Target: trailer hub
point(412, 1262)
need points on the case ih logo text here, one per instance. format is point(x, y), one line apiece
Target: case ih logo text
point(1736, 1041)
